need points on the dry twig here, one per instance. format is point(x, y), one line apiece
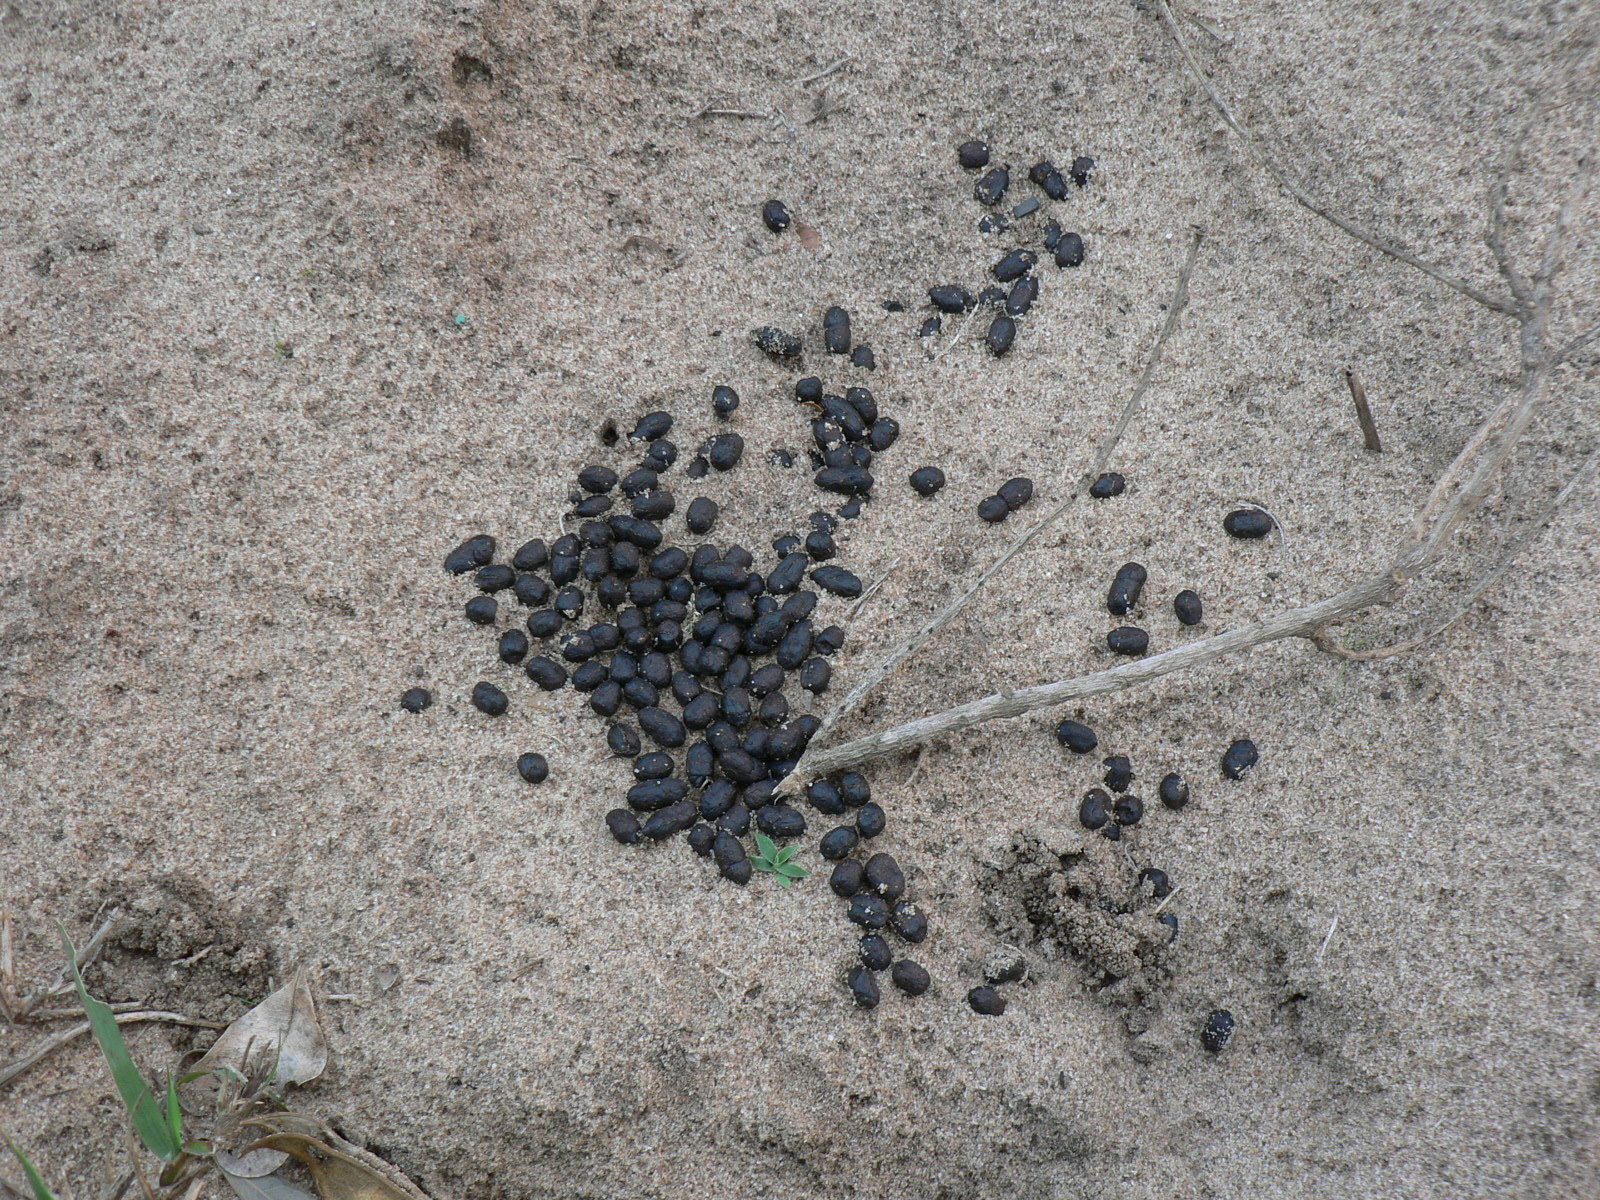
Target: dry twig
point(825, 72)
point(1369, 427)
point(53, 1043)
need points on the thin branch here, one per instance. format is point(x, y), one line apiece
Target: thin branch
point(1369, 427)
point(1495, 236)
point(825, 72)
point(751, 113)
point(51, 1044)
point(1576, 344)
point(1285, 181)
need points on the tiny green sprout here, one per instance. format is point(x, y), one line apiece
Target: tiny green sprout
point(41, 1190)
point(777, 862)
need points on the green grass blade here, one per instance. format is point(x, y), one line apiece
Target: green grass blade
point(174, 1112)
point(141, 1104)
point(35, 1180)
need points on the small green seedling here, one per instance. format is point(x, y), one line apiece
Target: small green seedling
point(777, 862)
point(41, 1190)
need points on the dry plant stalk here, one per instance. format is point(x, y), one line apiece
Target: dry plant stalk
point(1460, 491)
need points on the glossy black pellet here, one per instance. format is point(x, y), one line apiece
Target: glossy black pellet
point(595, 564)
point(547, 673)
point(730, 857)
point(700, 839)
point(788, 575)
point(597, 479)
point(776, 342)
point(577, 647)
point(930, 327)
point(569, 602)
point(736, 707)
point(701, 515)
point(1054, 186)
point(1021, 296)
point(854, 789)
point(1015, 265)
point(1126, 586)
point(657, 668)
point(773, 710)
point(926, 481)
point(1078, 738)
point(648, 795)
point(1174, 791)
point(545, 622)
point(651, 426)
point(1119, 773)
point(908, 921)
point(625, 559)
point(623, 740)
point(639, 481)
point(1016, 492)
point(1129, 640)
point(475, 552)
point(1081, 166)
point(992, 187)
point(661, 455)
point(740, 766)
point(1095, 809)
point(874, 952)
point(662, 727)
point(973, 155)
point(718, 797)
point(531, 555)
point(672, 820)
point(567, 544)
point(838, 842)
point(654, 765)
point(414, 700)
point(829, 641)
point(869, 911)
point(780, 821)
point(1160, 884)
point(655, 506)
point(1041, 170)
point(950, 298)
point(986, 1002)
point(837, 581)
point(606, 698)
point(815, 675)
point(642, 534)
point(1247, 523)
point(870, 821)
point(884, 433)
point(513, 646)
point(594, 506)
point(836, 330)
point(1239, 758)
point(494, 578)
point(795, 646)
point(885, 877)
point(994, 223)
point(698, 467)
point(624, 826)
point(1188, 608)
point(533, 768)
point(489, 700)
point(698, 764)
point(863, 987)
point(824, 797)
point(910, 977)
point(1069, 250)
point(993, 510)
point(482, 610)
point(775, 216)
point(725, 450)
point(846, 878)
point(1128, 810)
point(1108, 485)
point(992, 297)
point(1218, 1029)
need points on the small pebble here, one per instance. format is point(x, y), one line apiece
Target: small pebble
point(778, 343)
point(1094, 810)
point(1186, 604)
point(1129, 640)
point(1218, 1029)
point(1119, 772)
point(1125, 588)
point(533, 767)
point(414, 700)
point(775, 216)
point(724, 400)
point(910, 977)
point(874, 952)
point(974, 156)
point(489, 700)
point(990, 189)
point(1002, 332)
point(926, 481)
point(1174, 791)
point(863, 986)
point(1069, 250)
point(1108, 485)
point(1027, 208)
point(1240, 757)
point(1080, 739)
point(1247, 523)
point(986, 1002)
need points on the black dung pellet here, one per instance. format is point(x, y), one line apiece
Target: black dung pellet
point(993, 510)
point(1108, 485)
point(564, 568)
point(1240, 757)
point(885, 877)
point(992, 297)
point(1069, 250)
point(992, 187)
point(788, 575)
point(639, 481)
point(837, 843)
point(739, 765)
point(869, 911)
point(547, 673)
point(863, 357)
point(986, 1002)
point(513, 646)
point(808, 390)
point(1119, 773)
point(740, 872)
point(698, 467)
point(1170, 920)
point(701, 515)
point(949, 298)
point(651, 426)
point(623, 740)
point(1040, 171)
point(1027, 208)
point(926, 481)
point(837, 581)
point(482, 610)
point(717, 799)
point(1186, 604)
point(775, 216)
point(776, 342)
point(1081, 166)
point(654, 506)
point(1054, 186)
point(642, 534)
point(654, 765)
point(532, 555)
point(863, 987)
point(725, 450)
point(1080, 739)
point(973, 156)
point(1016, 492)
point(874, 952)
point(930, 327)
point(773, 710)
point(545, 623)
point(649, 795)
point(596, 479)
point(662, 727)
point(845, 481)
point(494, 578)
point(577, 647)
point(1160, 885)
point(624, 826)
point(910, 977)
point(819, 547)
point(661, 455)
point(1052, 235)
point(1129, 640)
point(854, 789)
point(700, 839)
point(1128, 810)
point(829, 640)
point(1094, 810)
point(780, 821)
point(475, 552)
point(727, 848)
point(779, 457)
point(673, 819)
point(1125, 588)
point(815, 675)
point(735, 705)
point(870, 821)
point(1014, 265)
point(993, 223)
point(824, 797)
point(847, 878)
point(594, 506)
point(1247, 523)
point(836, 330)
point(1174, 791)
point(1021, 296)
point(533, 767)
point(489, 700)
point(1218, 1029)
point(414, 700)
point(569, 602)
point(785, 545)
point(908, 921)
point(765, 680)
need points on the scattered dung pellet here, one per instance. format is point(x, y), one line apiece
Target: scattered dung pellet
point(1129, 640)
point(596, 479)
point(1119, 772)
point(482, 610)
point(974, 156)
point(1005, 964)
point(496, 577)
point(592, 507)
point(990, 189)
point(544, 623)
point(838, 842)
point(815, 675)
point(513, 647)
point(993, 510)
point(863, 357)
point(1069, 250)
point(654, 765)
point(477, 551)
point(414, 700)
point(589, 676)
point(986, 1002)
point(1027, 208)
point(1218, 1029)
point(724, 401)
point(1016, 492)
point(776, 342)
point(624, 826)
point(623, 740)
point(740, 872)
point(1054, 185)
point(1095, 809)
point(1108, 485)
point(489, 700)
point(662, 727)
point(1080, 739)
point(1021, 296)
point(1160, 884)
point(1170, 920)
point(727, 850)
point(829, 640)
point(836, 330)
point(993, 223)
point(885, 877)
point(546, 672)
point(1174, 791)
point(698, 467)
point(1247, 523)
point(701, 515)
point(910, 977)
point(847, 878)
point(869, 911)
point(1002, 332)
point(808, 390)
point(736, 820)
point(992, 297)
point(1188, 608)
point(1125, 588)
point(780, 821)
point(845, 481)
point(854, 789)
point(909, 922)
point(893, 306)
point(837, 581)
point(651, 426)
point(1128, 810)
point(930, 327)
point(819, 546)
point(1015, 265)
point(775, 216)
point(1112, 832)
point(926, 481)
point(947, 298)
point(670, 821)
point(1052, 235)
point(1240, 757)
point(533, 767)
point(870, 821)
point(533, 554)
point(863, 987)
point(1081, 166)
point(701, 837)
point(874, 952)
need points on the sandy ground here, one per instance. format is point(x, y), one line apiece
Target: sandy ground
point(269, 349)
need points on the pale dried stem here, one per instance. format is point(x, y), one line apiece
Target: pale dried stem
point(51, 1044)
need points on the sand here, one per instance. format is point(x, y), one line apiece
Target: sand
point(270, 348)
